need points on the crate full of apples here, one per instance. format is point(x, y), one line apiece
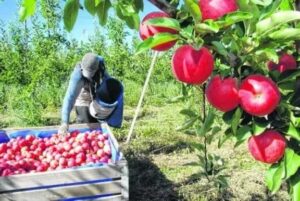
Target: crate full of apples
point(40, 164)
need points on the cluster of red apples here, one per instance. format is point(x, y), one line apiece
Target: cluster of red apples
point(257, 94)
point(32, 154)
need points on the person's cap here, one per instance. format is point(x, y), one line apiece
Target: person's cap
point(89, 65)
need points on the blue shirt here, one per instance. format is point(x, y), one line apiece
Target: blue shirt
point(76, 83)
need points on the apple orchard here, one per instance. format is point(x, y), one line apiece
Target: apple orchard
point(242, 56)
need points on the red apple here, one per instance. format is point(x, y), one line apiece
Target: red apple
point(101, 137)
point(223, 93)
point(104, 159)
point(192, 66)
point(3, 148)
point(286, 62)
point(85, 146)
point(147, 30)
point(30, 138)
point(100, 144)
point(106, 149)
point(71, 162)
point(268, 147)
point(7, 172)
point(67, 146)
point(259, 95)
point(214, 9)
point(100, 153)
point(53, 164)
point(62, 162)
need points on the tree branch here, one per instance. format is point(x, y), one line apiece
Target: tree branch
point(165, 6)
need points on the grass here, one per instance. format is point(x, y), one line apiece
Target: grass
point(158, 155)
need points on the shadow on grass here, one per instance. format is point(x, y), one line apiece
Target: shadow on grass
point(147, 182)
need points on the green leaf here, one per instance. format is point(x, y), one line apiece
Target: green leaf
point(90, 6)
point(245, 5)
point(259, 125)
point(187, 32)
point(164, 22)
point(295, 182)
point(268, 54)
point(70, 13)
point(97, 2)
point(274, 176)
point(236, 119)
point(270, 9)
point(262, 2)
point(189, 123)
point(209, 26)
point(219, 47)
point(176, 99)
point(215, 130)
point(193, 8)
point(291, 162)
point(242, 134)
point(198, 146)
point(139, 4)
point(288, 75)
point(295, 120)
point(286, 5)
point(209, 138)
point(196, 164)
point(127, 9)
point(224, 138)
point(288, 86)
point(132, 21)
point(102, 11)
point(293, 132)
point(228, 116)
point(277, 19)
point(156, 40)
point(27, 9)
point(286, 34)
point(233, 18)
point(188, 112)
point(207, 123)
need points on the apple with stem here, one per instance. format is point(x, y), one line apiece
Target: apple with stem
point(192, 66)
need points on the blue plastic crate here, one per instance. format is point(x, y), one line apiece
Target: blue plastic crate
point(101, 181)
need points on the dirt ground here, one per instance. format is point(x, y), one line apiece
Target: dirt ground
point(164, 176)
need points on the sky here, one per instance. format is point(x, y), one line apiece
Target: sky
point(85, 23)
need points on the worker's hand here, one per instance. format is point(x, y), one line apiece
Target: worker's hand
point(63, 129)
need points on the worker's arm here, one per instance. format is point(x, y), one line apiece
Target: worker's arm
point(75, 85)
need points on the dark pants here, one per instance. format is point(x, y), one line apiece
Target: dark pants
point(83, 115)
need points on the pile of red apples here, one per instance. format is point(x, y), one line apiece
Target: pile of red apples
point(32, 154)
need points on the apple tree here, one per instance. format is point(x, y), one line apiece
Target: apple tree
point(242, 55)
